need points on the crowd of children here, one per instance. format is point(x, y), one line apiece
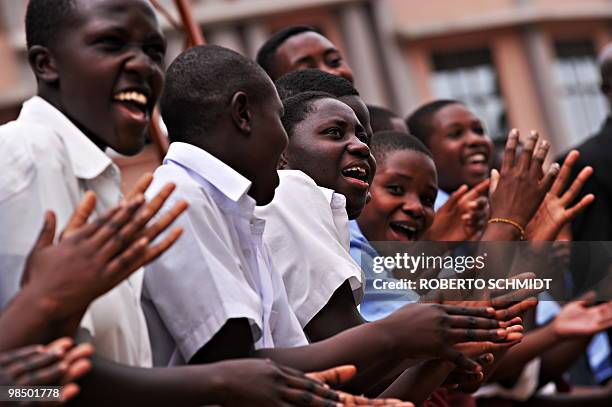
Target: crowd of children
point(241, 273)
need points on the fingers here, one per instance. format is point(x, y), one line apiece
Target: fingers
point(47, 234)
point(156, 251)
point(111, 237)
point(565, 172)
point(575, 210)
point(526, 156)
point(517, 309)
point(460, 360)
point(307, 388)
point(166, 220)
point(128, 261)
point(469, 311)
point(69, 392)
point(538, 159)
point(146, 213)
point(141, 186)
point(510, 150)
point(32, 362)
point(9, 357)
point(550, 176)
point(81, 214)
point(514, 321)
point(335, 376)
point(473, 322)
point(494, 182)
point(351, 400)
point(476, 335)
point(574, 189)
point(456, 196)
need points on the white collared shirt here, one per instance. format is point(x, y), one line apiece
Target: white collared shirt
point(218, 270)
point(48, 164)
point(307, 230)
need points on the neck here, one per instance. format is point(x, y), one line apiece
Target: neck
point(53, 98)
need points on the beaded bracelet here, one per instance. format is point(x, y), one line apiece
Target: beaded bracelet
point(509, 222)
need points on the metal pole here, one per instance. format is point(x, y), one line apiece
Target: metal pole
point(194, 37)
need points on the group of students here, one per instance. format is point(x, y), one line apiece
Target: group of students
point(241, 262)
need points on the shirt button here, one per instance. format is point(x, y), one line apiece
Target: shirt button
point(246, 252)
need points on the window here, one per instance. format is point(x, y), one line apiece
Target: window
point(470, 77)
point(583, 106)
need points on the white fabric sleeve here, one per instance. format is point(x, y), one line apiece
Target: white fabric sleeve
point(198, 285)
point(306, 245)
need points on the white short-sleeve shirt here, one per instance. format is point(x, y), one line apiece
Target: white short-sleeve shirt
point(307, 230)
point(48, 164)
point(218, 270)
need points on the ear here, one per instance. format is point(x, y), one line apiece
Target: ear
point(241, 112)
point(43, 64)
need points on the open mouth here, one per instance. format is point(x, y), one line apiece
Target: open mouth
point(478, 161)
point(358, 174)
point(135, 103)
point(404, 231)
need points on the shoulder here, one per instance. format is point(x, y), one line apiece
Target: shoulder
point(26, 149)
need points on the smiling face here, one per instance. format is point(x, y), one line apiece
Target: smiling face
point(311, 50)
point(460, 146)
point(403, 194)
point(331, 146)
point(109, 65)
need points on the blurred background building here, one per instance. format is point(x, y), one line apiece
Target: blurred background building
point(517, 63)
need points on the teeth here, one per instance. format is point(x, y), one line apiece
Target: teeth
point(476, 158)
point(411, 229)
point(135, 97)
point(359, 170)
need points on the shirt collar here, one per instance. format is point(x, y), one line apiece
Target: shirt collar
point(87, 160)
point(224, 178)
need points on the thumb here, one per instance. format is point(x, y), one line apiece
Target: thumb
point(335, 376)
point(494, 181)
point(45, 238)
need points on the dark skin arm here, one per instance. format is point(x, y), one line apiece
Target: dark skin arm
point(257, 383)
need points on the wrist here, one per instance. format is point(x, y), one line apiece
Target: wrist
point(216, 388)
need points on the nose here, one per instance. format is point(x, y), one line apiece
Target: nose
point(358, 148)
point(141, 63)
point(413, 207)
point(475, 139)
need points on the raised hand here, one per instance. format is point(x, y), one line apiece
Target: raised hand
point(93, 258)
point(60, 363)
point(462, 216)
point(577, 318)
point(522, 182)
point(556, 210)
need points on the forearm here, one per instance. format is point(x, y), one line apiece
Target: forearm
point(534, 344)
point(113, 384)
point(367, 347)
point(28, 321)
point(561, 357)
point(417, 384)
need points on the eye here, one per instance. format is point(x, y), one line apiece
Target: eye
point(364, 138)
point(335, 132)
point(428, 201)
point(156, 52)
point(111, 42)
point(395, 189)
point(334, 62)
point(479, 130)
point(455, 134)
